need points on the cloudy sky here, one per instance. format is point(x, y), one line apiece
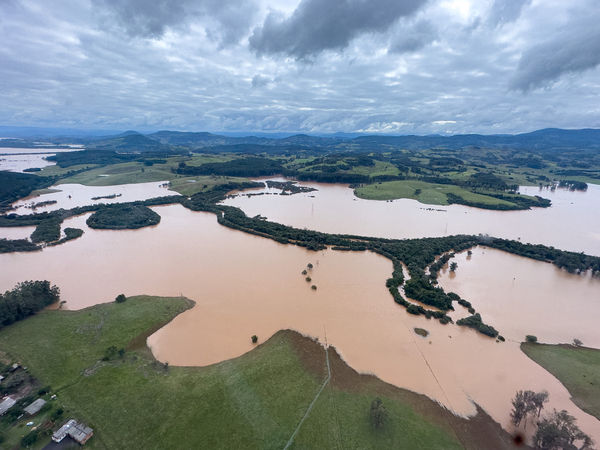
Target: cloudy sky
point(312, 66)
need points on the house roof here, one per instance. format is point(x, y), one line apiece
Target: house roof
point(35, 406)
point(6, 404)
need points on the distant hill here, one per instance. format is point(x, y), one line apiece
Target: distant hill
point(541, 141)
point(129, 142)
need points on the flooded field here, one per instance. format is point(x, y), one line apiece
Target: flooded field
point(18, 159)
point(246, 285)
point(71, 195)
point(520, 296)
point(571, 223)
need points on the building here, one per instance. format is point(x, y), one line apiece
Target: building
point(35, 406)
point(78, 431)
point(6, 404)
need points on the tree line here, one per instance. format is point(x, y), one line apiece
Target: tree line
point(25, 299)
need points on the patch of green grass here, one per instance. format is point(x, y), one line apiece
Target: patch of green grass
point(578, 368)
point(341, 420)
point(192, 185)
point(428, 193)
point(254, 401)
point(56, 171)
point(124, 173)
point(380, 168)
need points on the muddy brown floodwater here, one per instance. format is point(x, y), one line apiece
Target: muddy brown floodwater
point(571, 223)
point(245, 285)
point(69, 196)
point(520, 296)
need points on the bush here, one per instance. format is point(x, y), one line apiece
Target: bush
point(30, 438)
point(531, 338)
point(56, 414)
point(44, 390)
point(378, 414)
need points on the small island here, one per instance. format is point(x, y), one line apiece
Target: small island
point(123, 217)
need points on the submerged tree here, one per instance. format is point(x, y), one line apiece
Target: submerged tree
point(378, 414)
point(453, 266)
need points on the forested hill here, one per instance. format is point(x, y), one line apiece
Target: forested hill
point(546, 140)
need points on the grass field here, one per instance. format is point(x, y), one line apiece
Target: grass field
point(578, 368)
point(254, 401)
point(430, 193)
point(133, 172)
point(193, 185)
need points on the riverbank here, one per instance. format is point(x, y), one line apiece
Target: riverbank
point(252, 401)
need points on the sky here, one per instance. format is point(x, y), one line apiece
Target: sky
point(309, 66)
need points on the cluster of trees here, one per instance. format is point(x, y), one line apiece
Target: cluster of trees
point(17, 245)
point(14, 185)
point(251, 166)
point(558, 430)
point(47, 230)
point(573, 185)
point(570, 261)
point(474, 321)
point(122, 216)
point(527, 403)
point(25, 299)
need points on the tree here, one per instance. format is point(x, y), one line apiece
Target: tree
point(378, 413)
point(453, 266)
point(309, 265)
point(525, 403)
point(254, 339)
point(120, 298)
point(519, 410)
point(538, 400)
point(559, 431)
point(577, 342)
point(531, 338)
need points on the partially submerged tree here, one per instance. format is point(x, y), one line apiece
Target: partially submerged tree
point(559, 431)
point(453, 266)
point(525, 403)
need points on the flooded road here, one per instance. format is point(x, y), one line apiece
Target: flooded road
point(245, 285)
point(571, 223)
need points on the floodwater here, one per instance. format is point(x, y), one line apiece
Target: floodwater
point(71, 195)
point(246, 285)
point(571, 223)
point(18, 159)
point(520, 296)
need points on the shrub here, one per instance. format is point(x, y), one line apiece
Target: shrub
point(30, 438)
point(56, 414)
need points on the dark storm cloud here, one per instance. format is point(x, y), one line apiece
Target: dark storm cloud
point(318, 25)
point(505, 11)
point(413, 38)
point(570, 50)
point(150, 19)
